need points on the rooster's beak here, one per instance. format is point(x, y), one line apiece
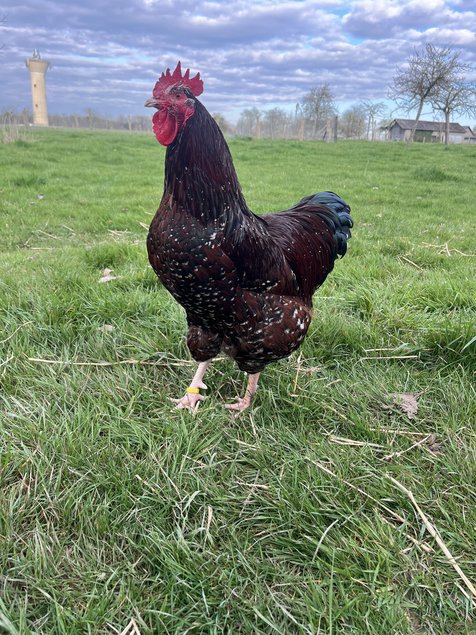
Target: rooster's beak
point(151, 102)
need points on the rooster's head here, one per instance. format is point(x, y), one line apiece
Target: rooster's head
point(174, 97)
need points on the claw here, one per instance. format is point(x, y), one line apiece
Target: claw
point(239, 406)
point(190, 401)
point(244, 402)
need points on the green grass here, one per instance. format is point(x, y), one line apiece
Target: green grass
point(115, 507)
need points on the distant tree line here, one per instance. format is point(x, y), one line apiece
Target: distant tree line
point(89, 119)
point(432, 76)
point(315, 118)
point(358, 122)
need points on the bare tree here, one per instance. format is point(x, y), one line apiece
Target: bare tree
point(249, 123)
point(318, 105)
point(427, 69)
point(352, 122)
point(275, 123)
point(299, 121)
point(224, 125)
point(456, 96)
point(372, 110)
point(91, 116)
point(384, 126)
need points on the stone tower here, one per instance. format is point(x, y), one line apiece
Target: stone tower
point(38, 68)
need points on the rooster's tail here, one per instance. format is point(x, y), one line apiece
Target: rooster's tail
point(339, 221)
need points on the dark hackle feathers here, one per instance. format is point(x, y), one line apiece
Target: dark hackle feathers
point(341, 221)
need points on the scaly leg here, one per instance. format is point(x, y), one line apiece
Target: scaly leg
point(192, 398)
point(243, 403)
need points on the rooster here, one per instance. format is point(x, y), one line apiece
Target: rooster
point(245, 281)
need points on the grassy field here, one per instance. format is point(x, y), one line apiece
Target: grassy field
point(118, 512)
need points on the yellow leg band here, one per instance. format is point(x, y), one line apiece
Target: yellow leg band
point(195, 391)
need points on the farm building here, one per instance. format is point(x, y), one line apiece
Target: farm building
point(429, 131)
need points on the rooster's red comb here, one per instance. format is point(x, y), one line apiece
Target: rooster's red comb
point(195, 84)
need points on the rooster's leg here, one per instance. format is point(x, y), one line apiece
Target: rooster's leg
point(192, 398)
point(251, 388)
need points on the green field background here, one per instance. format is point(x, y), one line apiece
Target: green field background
point(116, 507)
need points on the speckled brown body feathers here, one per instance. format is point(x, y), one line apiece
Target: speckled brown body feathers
point(245, 281)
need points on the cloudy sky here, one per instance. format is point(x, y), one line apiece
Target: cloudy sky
point(107, 54)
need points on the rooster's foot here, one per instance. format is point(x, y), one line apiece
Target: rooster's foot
point(242, 403)
point(192, 398)
point(239, 406)
point(190, 401)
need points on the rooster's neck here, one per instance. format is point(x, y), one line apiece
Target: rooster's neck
point(199, 173)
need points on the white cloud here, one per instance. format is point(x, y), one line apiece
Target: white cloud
point(450, 37)
point(379, 18)
point(248, 52)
